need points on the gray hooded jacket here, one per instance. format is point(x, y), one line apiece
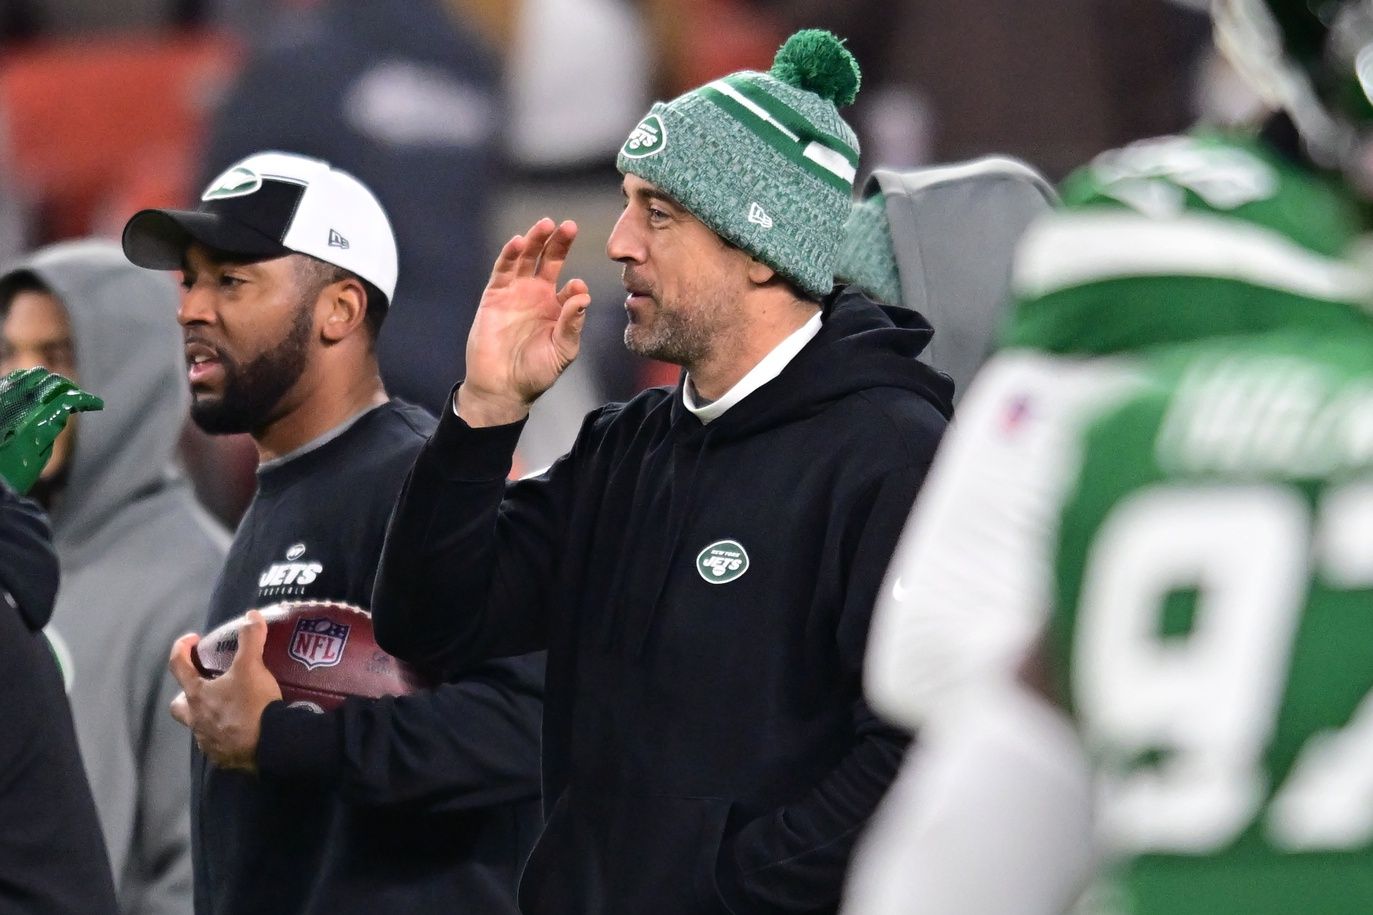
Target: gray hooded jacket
point(138, 559)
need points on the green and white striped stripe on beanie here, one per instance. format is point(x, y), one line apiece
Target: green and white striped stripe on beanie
point(763, 159)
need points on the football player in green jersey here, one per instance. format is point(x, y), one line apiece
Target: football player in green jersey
point(1154, 513)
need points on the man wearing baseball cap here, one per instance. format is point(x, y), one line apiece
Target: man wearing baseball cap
point(419, 803)
point(702, 565)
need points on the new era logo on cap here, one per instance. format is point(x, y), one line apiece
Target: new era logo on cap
point(269, 205)
point(757, 214)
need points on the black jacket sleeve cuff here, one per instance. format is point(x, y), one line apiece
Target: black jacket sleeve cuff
point(466, 454)
point(298, 743)
point(28, 564)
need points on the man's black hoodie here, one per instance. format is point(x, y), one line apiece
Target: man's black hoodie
point(704, 593)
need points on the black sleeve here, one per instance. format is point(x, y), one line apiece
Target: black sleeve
point(52, 854)
point(465, 745)
point(468, 561)
point(795, 858)
point(28, 565)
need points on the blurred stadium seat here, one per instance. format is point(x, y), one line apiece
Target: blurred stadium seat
point(98, 129)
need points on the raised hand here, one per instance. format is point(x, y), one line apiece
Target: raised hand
point(35, 405)
point(527, 330)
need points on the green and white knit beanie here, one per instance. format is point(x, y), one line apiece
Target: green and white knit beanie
point(763, 159)
point(866, 257)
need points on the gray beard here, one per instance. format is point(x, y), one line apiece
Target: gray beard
point(674, 338)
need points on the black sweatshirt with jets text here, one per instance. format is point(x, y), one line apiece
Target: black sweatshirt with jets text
point(417, 804)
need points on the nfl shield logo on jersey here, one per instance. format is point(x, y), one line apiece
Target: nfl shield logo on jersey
point(318, 642)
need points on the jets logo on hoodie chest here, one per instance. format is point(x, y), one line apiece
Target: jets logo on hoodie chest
point(722, 562)
point(291, 576)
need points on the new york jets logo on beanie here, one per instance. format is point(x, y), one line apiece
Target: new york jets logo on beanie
point(763, 159)
point(648, 138)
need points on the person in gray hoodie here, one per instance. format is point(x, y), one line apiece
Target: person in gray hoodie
point(137, 554)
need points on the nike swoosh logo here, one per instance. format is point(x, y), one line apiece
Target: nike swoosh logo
point(899, 591)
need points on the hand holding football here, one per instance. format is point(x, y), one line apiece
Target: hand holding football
point(320, 653)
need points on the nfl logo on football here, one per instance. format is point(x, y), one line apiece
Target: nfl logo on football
point(318, 642)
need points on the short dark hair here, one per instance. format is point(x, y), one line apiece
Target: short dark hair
point(315, 274)
point(19, 282)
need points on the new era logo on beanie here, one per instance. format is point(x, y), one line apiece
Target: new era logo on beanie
point(763, 159)
point(269, 205)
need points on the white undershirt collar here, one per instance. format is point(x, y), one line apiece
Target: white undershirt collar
point(768, 368)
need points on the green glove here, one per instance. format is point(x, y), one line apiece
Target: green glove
point(34, 407)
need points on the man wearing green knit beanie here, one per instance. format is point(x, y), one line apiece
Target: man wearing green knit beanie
point(763, 159)
point(701, 566)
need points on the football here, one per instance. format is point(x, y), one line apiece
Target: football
point(320, 653)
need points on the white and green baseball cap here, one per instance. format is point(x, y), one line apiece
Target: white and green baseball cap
point(269, 205)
